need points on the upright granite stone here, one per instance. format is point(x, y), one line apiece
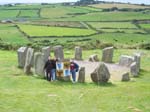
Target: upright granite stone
point(78, 53)
point(58, 52)
point(133, 69)
point(100, 74)
point(39, 63)
point(46, 52)
point(22, 51)
point(107, 54)
point(137, 59)
point(126, 60)
point(29, 61)
point(81, 77)
point(94, 58)
point(125, 77)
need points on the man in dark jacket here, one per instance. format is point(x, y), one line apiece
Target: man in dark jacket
point(48, 68)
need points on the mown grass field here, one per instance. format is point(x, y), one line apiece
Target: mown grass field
point(8, 14)
point(19, 92)
point(10, 34)
point(28, 13)
point(109, 16)
point(33, 30)
point(115, 25)
point(119, 6)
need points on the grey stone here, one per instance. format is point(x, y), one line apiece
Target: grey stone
point(58, 52)
point(100, 74)
point(22, 51)
point(125, 77)
point(39, 63)
point(81, 77)
point(133, 69)
point(29, 61)
point(137, 59)
point(126, 60)
point(78, 53)
point(94, 58)
point(46, 52)
point(107, 54)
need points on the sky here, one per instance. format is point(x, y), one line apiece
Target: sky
point(58, 1)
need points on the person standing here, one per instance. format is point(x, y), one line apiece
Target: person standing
point(73, 69)
point(48, 68)
point(53, 70)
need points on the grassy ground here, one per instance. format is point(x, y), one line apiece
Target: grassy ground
point(107, 16)
point(8, 14)
point(54, 31)
point(119, 6)
point(28, 13)
point(19, 92)
point(9, 33)
point(98, 25)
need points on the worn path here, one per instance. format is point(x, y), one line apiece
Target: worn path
point(114, 69)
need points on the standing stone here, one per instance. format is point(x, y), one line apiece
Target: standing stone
point(107, 54)
point(125, 77)
point(29, 61)
point(94, 58)
point(100, 74)
point(137, 59)
point(46, 52)
point(133, 69)
point(39, 63)
point(126, 60)
point(58, 52)
point(78, 53)
point(81, 77)
point(22, 51)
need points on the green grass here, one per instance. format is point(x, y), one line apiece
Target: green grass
point(123, 30)
point(19, 92)
point(122, 38)
point(33, 30)
point(108, 16)
point(29, 13)
point(9, 33)
point(62, 11)
point(8, 14)
point(98, 25)
point(145, 26)
point(119, 6)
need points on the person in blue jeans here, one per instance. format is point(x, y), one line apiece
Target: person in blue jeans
point(73, 69)
point(53, 70)
point(50, 68)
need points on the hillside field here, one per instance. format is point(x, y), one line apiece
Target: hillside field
point(126, 27)
point(19, 92)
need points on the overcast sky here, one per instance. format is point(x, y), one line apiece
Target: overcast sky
point(57, 1)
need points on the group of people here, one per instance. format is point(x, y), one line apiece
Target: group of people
point(50, 69)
